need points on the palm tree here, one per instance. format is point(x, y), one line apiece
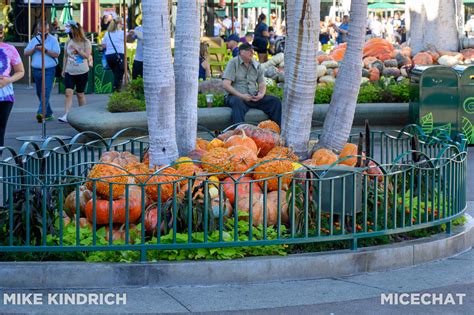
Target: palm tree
point(300, 72)
point(159, 82)
point(186, 67)
point(338, 121)
point(433, 24)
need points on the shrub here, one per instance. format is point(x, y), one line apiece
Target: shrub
point(323, 93)
point(120, 102)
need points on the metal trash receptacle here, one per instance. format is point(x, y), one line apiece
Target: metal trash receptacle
point(434, 98)
point(466, 101)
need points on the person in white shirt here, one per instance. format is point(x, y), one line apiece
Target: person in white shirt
point(137, 34)
point(469, 27)
point(237, 28)
point(227, 22)
point(113, 42)
point(376, 27)
point(217, 27)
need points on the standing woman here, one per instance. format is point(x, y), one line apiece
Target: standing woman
point(260, 41)
point(51, 53)
point(113, 43)
point(77, 52)
point(204, 66)
point(9, 59)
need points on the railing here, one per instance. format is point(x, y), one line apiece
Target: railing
point(399, 190)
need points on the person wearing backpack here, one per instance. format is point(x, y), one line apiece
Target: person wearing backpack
point(113, 42)
point(76, 64)
point(51, 54)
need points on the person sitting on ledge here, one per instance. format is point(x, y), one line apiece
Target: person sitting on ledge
point(245, 87)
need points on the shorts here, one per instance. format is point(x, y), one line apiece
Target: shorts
point(78, 80)
point(260, 45)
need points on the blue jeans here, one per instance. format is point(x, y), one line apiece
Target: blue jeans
point(49, 76)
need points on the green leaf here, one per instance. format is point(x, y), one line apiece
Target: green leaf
point(427, 123)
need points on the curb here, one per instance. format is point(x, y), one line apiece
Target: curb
point(240, 271)
point(95, 117)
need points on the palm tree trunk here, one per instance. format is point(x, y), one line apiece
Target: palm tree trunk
point(186, 69)
point(338, 122)
point(433, 24)
point(159, 82)
point(290, 21)
point(300, 84)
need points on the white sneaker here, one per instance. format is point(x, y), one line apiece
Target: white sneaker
point(63, 118)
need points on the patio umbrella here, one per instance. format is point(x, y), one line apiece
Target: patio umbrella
point(384, 6)
point(66, 15)
point(54, 13)
point(258, 4)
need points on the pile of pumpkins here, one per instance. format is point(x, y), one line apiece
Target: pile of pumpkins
point(251, 157)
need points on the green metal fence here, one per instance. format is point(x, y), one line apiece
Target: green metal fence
point(398, 190)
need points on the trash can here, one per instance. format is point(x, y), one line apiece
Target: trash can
point(466, 101)
point(434, 98)
point(103, 79)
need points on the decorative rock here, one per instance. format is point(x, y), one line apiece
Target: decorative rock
point(391, 72)
point(331, 72)
point(448, 61)
point(330, 64)
point(327, 79)
point(365, 73)
point(377, 64)
point(321, 71)
point(391, 63)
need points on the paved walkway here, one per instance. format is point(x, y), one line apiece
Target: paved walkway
point(358, 294)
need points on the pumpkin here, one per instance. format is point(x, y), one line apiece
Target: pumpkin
point(268, 171)
point(280, 152)
point(368, 61)
point(423, 58)
point(374, 74)
point(139, 170)
point(83, 222)
point(201, 144)
point(119, 232)
point(241, 139)
point(324, 157)
point(166, 177)
point(264, 139)
point(146, 156)
point(242, 158)
point(406, 51)
point(119, 158)
point(322, 58)
point(377, 64)
point(151, 220)
point(271, 208)
point(337, 54)
point(215, 143)
point(196, 155)
point(347, 150)
point(70, 203)
point(243, 187)
point(373, 170)
point(468, 53)
point(217, 161)
point(269, 124)
point(434, 55)
point(104, 175)
point(379, 48)
point(118, 208)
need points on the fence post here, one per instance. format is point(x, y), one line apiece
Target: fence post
point(448, 228)
point(354, 243)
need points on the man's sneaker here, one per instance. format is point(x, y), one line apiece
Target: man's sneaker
point(50, 118)
point(63, 118)
point(39, 118)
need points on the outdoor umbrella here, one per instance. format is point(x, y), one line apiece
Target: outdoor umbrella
point(66, 15)
point(258, 4)
point(384, 6)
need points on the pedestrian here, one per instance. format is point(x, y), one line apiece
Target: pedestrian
point(260, 41)
point(227, 22)
point(51, 54)
point(232, 43)
point(204, 66)
point(10, 59)
point(342, 30)
point(245, 87)
point(77, 54)
point(469, 27)
point(113, 43)
point(137, 34)
point(376, 27)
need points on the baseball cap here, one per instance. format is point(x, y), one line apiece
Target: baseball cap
point(246, 46)
point(233, 37)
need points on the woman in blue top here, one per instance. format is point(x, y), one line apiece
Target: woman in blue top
point(260, 41)
point(51, 51)
point(204, 67)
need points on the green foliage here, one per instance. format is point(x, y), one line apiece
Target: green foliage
point(369, 93)
point(217, 102)
point(120, 102)
point(275, 91)
point(324, 94)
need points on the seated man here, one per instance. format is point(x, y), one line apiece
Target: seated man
point(245, 86)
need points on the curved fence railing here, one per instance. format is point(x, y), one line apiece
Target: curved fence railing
point(410, 181)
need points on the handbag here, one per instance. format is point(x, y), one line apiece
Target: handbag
point(119, 59)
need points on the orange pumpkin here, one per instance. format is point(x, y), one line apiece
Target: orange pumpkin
point(119, 158)
point(337, 54)
point(406, 51)
point(166, 178)
point(103, 175)
point(217, 160)
point(347, 150)
point(201, 144)
point(323, 58)
point(139, 170)
point(242, 158)
point(70, 203)
point(374, 74)
point(215, 143)
point(423, 58)
point(243, 187)
point(119, 207)
point(269, 171)
point(269, 124)
point(280, 152)
point(324, 157)
point(241, 139)
point(368, 61)
point(264, 139)
point(378, 48)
